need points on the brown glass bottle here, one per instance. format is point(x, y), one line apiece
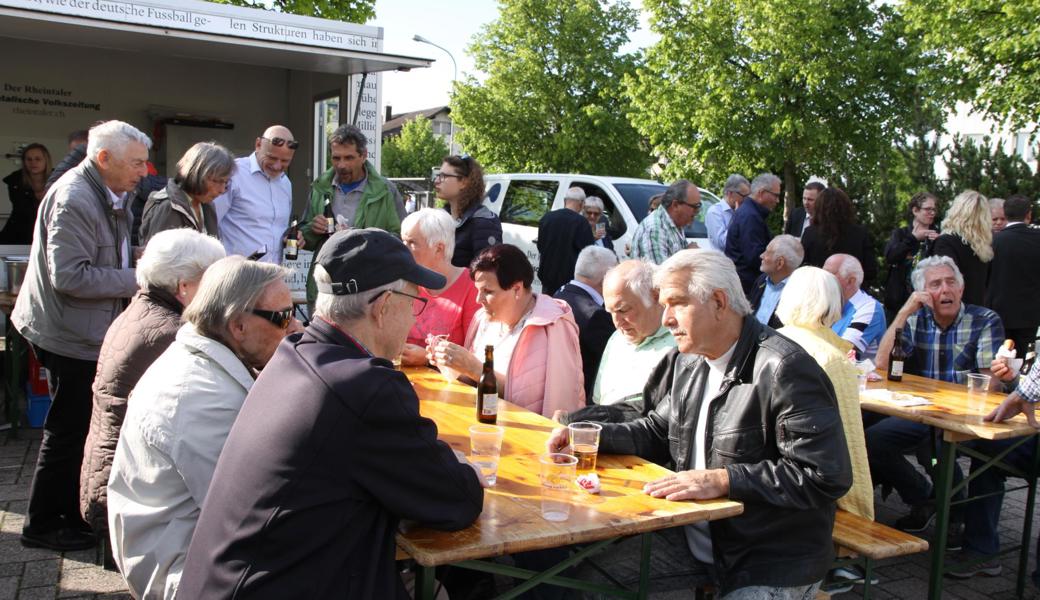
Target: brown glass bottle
point(330, 219)
point(897, 359)
point(487, 389)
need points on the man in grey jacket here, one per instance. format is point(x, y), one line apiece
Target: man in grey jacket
point(78, 281)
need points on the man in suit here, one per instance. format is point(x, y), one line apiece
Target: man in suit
point(783, 255)
point(801, 217)
point(584, 294)
point(749, 233)
point(1013, 286)
point(562, 234)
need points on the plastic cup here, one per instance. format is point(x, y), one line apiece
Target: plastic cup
point(861, 379)
point(485, 444)
point(978, 383)
point(449, 374)
point(558, 473)
point(585, 444)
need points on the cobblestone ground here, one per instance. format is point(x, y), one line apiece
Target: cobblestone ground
point(32, 574)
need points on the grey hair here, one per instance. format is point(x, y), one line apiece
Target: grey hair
point(638, 277)
point(996, 203)
point(229, 287)
point(708, 271)
point(811, 298)
point(204, 160)
point(114, 136)
point(676, 191)
point(734, 182)
point(435, 225)
point(574, 194)
point(848, 265)
point(790, 248)
point(595, 202)
point(177, 255)
point(763, 181)
point(349, 307)
point(932, 262)
point(349, 134)
point(594, 262)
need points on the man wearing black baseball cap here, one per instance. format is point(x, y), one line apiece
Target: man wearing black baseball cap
point(329, 451)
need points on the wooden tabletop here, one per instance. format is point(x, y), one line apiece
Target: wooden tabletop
point(511, 520)
point(952, 410)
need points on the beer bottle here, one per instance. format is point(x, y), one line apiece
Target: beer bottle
point(897, 359)
point(292, 249)
point(330, 219)
point(487, 389)
point(1029, 358)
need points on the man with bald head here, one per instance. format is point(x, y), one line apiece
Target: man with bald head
point(256, 209)
point(862, 321)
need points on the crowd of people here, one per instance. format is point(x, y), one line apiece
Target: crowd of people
point(197, 428)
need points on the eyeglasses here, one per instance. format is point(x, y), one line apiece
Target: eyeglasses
point(693, 206)
point(594, 213)
point(928, 209)
point(775, 194)
point(277, 141)
point(415, 311)
point(441, 176)
point(280, 318)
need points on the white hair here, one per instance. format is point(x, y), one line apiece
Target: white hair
point(708, 271)
point(229, 287)
point(595, 202)
point(763, 181)
point(811, 298)
point(934, 262)
point(436, 225)
point(848, 266)
point(114, 136)
point(996, 203)
point(594, 262)
point(177, 255)
point(574, 194)
point(348, 307)
point(790, 248)
point(638, 277)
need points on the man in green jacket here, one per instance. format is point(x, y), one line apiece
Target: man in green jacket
point(355, 193)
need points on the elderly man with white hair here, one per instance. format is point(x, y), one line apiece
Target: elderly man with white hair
point(742, 413)
point(430, 236)
point(749, 233)
point(79, 280)
point(562, 234)
point(782, 256)
point(180, 413)
point(308, 493)
point(584, 294)
point(862, 320)
point(720, 215)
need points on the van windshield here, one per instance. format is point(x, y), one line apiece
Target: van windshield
point(637, 196)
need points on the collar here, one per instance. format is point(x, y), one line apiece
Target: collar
point(776, 286)
point(117, 200)
point(596, 296)
point(653, 337)
point(1010, 223)
point(667, 218)
point(956, 321)
point(349, 186)
point(328, 327)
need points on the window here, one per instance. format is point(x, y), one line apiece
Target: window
point(493, 192)
point(637, 196)
point(527, 201)
point(615, 220)
point(326, 119)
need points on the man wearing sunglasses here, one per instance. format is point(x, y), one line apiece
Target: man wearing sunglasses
point(254, 213)
point(329, 451)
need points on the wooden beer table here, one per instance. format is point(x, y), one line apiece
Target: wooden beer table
point(958, 417)
point(512, 520)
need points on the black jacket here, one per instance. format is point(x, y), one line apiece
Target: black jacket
point(758, 289)
point(795, 221)
point(854, 240)
point(900, 253)
point(475, 230)
point(776, 430)
point(24, 206)
point(328, 453)
point(1014, 278)
point(562, 234)
point(170, 208)
point(975, 271)
point(594, 329)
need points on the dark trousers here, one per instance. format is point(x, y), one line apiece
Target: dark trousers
point(982, 516)
point(888, 442)
point(54, 495)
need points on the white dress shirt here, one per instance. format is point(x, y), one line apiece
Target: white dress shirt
point(255, 211)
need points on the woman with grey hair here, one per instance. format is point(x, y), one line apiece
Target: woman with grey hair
point(203, 174)
point(594, 213)
point(168, 273)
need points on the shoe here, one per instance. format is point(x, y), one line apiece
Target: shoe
point(833, 588)
point(852, 574)
point(920, 517)
point(955, 537)
point(969, 564)
point(59, 540)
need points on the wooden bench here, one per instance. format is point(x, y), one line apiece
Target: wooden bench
point(862, 541)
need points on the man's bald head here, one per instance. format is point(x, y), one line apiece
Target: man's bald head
point(273, 151)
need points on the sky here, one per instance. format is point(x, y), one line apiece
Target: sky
point(448, 23)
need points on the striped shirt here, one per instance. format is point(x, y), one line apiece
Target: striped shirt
point(862, 323)
point(657, 237)
point(968, 345)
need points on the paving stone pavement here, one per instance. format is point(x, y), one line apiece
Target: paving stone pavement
point(33, 574)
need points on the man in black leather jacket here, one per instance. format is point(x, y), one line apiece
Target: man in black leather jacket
point(772, 438)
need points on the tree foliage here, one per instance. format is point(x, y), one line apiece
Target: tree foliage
point(988, 169)
point(552, 100)
point(414, 152)
point(994, 47)
point(351, 11)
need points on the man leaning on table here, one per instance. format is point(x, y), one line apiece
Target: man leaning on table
point(767, 417)
point(330, 452)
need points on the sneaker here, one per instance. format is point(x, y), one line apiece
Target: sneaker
point(920, 517)
point(59, 540)
point(954, 537)
point(969, 564)
point(851, 573)
point(834, 588)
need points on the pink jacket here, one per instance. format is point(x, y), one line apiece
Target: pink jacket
point(545, 373)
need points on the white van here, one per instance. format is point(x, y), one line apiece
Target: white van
point(521, 199)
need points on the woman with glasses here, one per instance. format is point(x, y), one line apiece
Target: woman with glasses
point(537, 356)
point(25, 189)
point(967, 238)
point(907, 246)
point(460, 183)
point(834, 230)
point(594, 210)
point(186, 201)
point(169, 274)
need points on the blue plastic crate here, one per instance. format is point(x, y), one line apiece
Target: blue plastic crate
point(36, 409)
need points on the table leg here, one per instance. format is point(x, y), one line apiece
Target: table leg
point(1027, 524)
point(644, 567)
point(943, 484)
point(424, 581)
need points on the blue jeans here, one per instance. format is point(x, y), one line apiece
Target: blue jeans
point(982, 516)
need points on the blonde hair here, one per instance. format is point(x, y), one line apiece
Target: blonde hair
point(969, 218)
point(811, 298)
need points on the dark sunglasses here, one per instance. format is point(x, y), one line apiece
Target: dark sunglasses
point(277, 141)
point(693, 206)
point(280, 318)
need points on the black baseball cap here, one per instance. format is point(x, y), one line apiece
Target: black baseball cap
point(358, 260)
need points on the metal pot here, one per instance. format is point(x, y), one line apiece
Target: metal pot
point(15, 267)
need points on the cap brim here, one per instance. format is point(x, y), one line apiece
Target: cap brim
point(426, 278)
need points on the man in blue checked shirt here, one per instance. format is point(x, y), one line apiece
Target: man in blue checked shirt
point(945, 339)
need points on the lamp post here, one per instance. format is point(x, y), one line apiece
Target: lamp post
point(455, 76)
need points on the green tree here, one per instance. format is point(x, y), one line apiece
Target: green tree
point(552, 100)
point(987, 169)
point(351, 11)
point(796, 88)
point(414, 152)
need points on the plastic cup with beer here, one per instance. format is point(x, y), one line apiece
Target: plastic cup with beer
point(485, 443)
point(558, 473)
point(585, 444)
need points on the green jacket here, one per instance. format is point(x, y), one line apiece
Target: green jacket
point(377, 209)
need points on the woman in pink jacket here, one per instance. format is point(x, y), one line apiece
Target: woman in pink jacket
point(535, 337)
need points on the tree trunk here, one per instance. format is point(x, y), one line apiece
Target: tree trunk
point(790, 190)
